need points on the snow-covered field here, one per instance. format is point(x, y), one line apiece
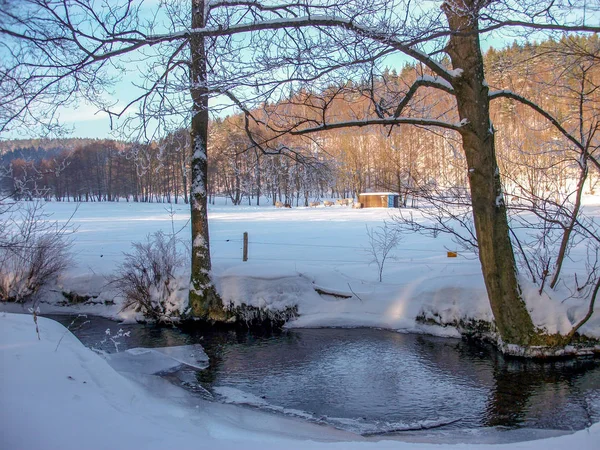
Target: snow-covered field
point(295, 252)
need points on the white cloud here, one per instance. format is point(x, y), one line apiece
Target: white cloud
point(82, 113)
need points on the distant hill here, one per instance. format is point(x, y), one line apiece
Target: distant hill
point(39, 149)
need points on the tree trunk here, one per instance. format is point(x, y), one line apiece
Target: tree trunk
point(203, 298)
point(257, 176)
point(489, 211)
point(184, 181)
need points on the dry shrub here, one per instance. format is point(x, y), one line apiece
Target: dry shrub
point(33, 252)
point(146, 279)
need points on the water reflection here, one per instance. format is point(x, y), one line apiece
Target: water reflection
point(543, 395)
point(384, 377)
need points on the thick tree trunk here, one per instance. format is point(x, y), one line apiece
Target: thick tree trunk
point(489, 212)
point(203, 299)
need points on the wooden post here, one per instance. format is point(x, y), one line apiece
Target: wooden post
point(245, 252)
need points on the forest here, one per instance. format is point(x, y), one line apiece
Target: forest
point(416, 161)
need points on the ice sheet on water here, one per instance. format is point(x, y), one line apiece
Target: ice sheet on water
point(592, 401)
point(235, 396)
point(367, 427)
point(189, 355)
point(188, 379)
point(142, 361)
point(360, 426)
point(153, 361)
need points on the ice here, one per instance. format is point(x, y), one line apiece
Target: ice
point(189, 355)
point(235, 396)
point(142, 361)
point(153, 361)
point(359, 426)
point(378, 428)
point(189, 381)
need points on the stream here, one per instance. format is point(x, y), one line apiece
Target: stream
point(373, 382)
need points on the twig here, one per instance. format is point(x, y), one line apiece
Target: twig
point(355, 294)
point(69, 328)
point(589, 313)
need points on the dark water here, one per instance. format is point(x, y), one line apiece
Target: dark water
point(373, 381)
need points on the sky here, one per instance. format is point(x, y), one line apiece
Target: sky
point(86, 121)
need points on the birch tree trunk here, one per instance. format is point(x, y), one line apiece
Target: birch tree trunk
point(489, 211)
point(203, 298)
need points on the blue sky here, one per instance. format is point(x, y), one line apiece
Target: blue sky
point(86, 121)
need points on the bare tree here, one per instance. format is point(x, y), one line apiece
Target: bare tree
point(58, 53)
point(382, 240)
point(424, 35)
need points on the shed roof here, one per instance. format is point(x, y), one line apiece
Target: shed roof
point(379, 193)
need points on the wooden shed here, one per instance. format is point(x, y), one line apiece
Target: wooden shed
point(379, 200)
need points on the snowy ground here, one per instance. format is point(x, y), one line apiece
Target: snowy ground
point(57, 394)
point(293, 252)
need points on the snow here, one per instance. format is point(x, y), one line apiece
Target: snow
point(435, 80)
point(546, 313)
point(313, 258)
point(456, 73)
point(199, 150)
point(298, 257)
point(499, 200)
point(66, 396)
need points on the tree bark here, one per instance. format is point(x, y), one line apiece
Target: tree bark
point(512, 319)
point(203, 298)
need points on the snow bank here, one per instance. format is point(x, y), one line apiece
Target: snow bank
point(546, 313)
point(56, 394)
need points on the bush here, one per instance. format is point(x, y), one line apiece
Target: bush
point(146, 279)
point(33, 252)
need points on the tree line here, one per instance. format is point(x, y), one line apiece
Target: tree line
point(340, 163)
